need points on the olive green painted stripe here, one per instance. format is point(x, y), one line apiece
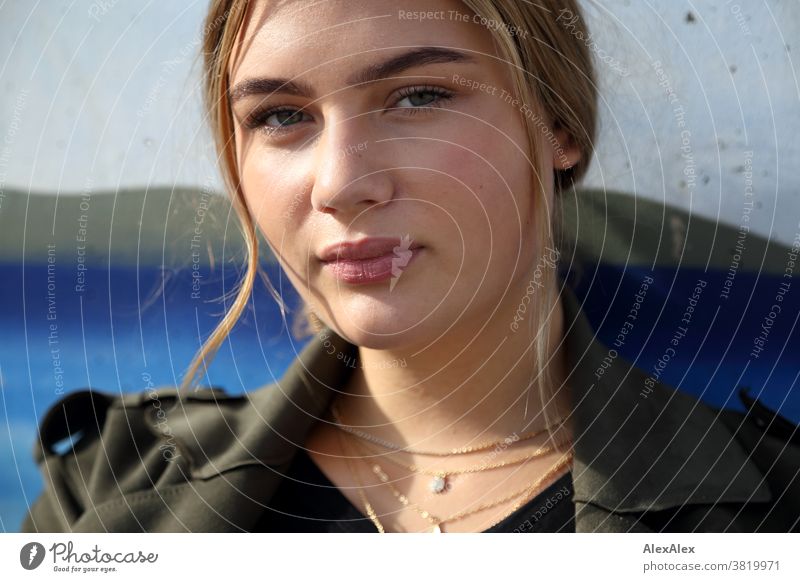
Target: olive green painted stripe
point(618, 228)
point(177, 227)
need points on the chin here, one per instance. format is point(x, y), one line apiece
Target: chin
point(373, 323)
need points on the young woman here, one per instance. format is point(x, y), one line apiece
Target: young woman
point(405, 162)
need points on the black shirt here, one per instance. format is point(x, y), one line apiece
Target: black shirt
point(307, 501)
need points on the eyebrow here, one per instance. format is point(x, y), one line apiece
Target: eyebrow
point(374, 72)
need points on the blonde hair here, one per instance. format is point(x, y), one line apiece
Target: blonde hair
point(551, 70)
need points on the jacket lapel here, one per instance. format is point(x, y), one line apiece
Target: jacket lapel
point(264, 427)
point(642, 450)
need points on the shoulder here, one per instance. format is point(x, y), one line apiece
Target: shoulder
point(772, 442)
point(670, 462)
point(768, 447)
point(104, 457)
point(162, 460)
point(80, 417)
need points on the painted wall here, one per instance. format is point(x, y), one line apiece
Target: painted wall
point(102, 94)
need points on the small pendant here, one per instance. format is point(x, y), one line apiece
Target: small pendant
point(438, 484)
point(436, 529)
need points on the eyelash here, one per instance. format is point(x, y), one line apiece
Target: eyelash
point(258, 119)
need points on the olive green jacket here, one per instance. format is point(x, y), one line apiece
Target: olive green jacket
point(209, 461)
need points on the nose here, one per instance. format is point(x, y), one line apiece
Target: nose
point(350, 175)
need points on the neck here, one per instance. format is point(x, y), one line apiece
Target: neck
point(471, 386)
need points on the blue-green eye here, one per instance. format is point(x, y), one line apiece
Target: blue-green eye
point(285, 117)
point(287, 120)
point(423, 97)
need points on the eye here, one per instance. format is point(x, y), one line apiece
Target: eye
point(422, 98)
point(285, 117)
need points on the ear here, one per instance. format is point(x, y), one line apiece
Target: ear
point(566, 152)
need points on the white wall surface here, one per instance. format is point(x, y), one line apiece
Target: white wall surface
point(732, 68)
point(104, 94)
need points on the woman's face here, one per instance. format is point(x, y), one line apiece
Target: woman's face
point(408, 132)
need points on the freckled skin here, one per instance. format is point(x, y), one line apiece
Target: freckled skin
point(455, 179)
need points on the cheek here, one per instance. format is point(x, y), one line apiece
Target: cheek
point(489, 202)
point(275, 199)
point(275, 202)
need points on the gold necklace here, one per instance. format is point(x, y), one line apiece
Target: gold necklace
point(458, 451)
point(363, 496)
point(436, 523)
point(441, 482)
point(532, 493)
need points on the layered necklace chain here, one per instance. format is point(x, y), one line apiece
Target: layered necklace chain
point(525, 494)
point(458, 451)
point(440, 479)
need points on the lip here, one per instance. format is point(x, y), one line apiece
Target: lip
point(365, 248)
point(369, 260)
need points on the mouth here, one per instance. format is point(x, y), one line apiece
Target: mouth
point(370, 260)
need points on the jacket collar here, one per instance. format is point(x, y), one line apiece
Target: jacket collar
point(639, 450)
point(632, 452)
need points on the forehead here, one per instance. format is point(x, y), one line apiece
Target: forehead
point(290, 37)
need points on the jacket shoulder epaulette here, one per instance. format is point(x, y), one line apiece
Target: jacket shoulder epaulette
point(94, 447)
point(82, 413)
